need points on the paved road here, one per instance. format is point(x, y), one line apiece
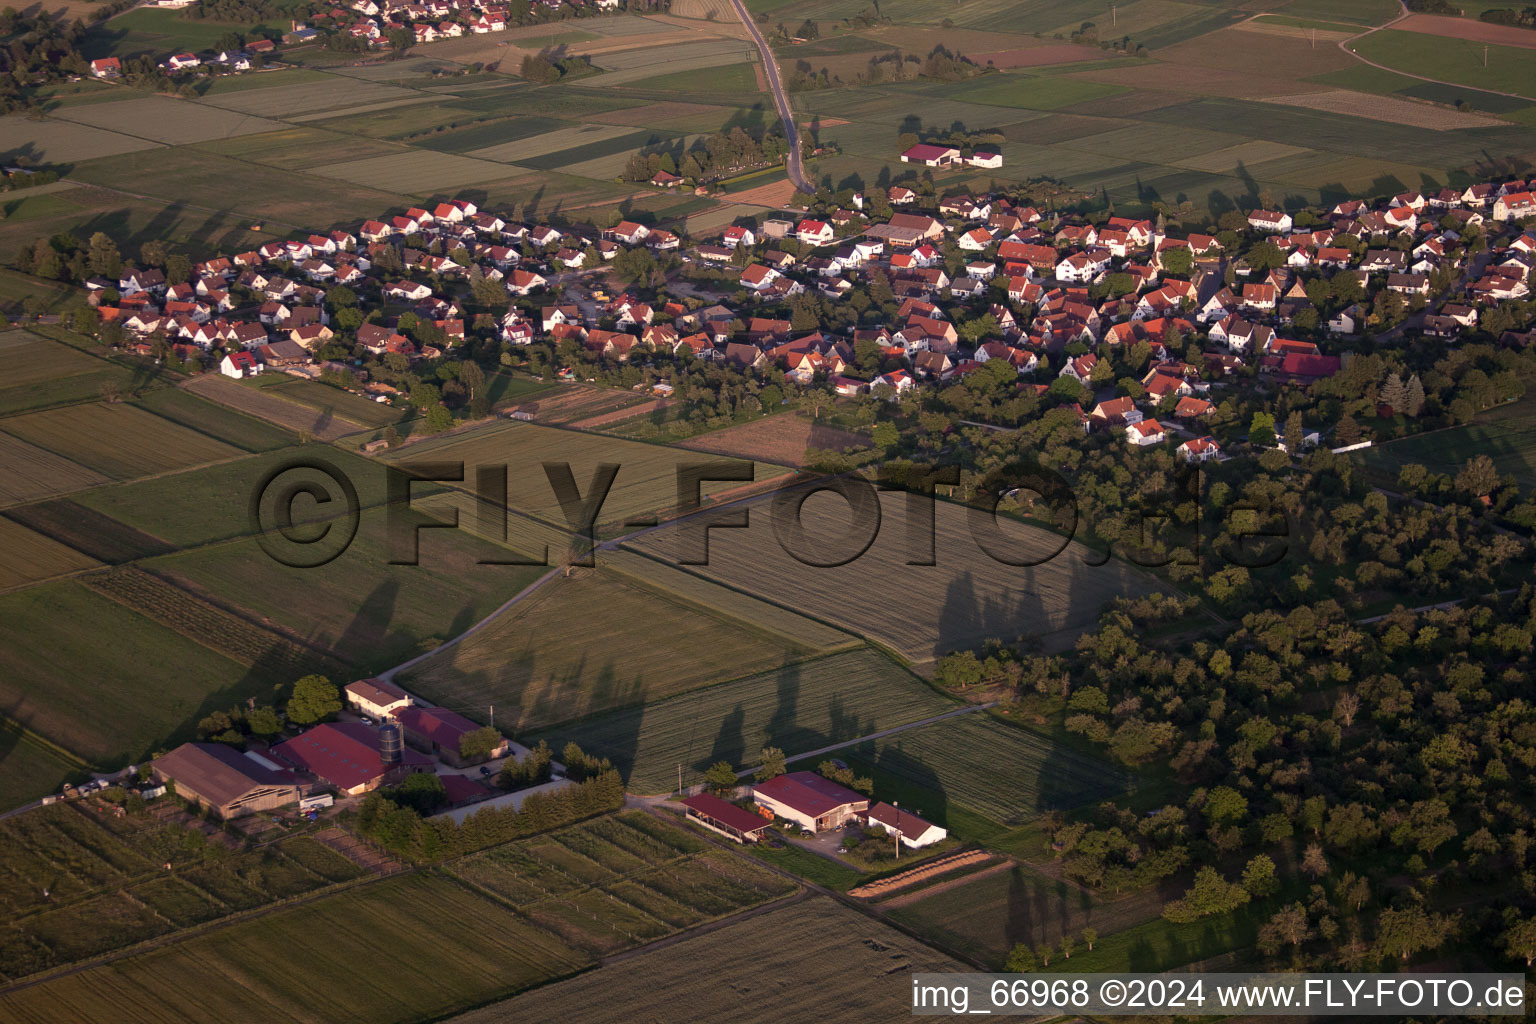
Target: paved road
point(795, 165)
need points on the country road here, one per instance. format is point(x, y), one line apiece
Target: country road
point(1347, 47)
point(794, 163)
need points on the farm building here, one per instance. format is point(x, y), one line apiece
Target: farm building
point(725, 817)
point(348, 755)
point(809, 800)
point(931, 156)
point(439, 731)
point(220, 778)
point(376, 697)
point(913, 831)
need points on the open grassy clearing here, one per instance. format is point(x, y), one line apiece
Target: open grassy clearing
point(1506, 435)
point(921, 611)
point(1452, 60)
point(81, 665)
point(117, 440)
point(797, 708)
point(171, 121)
point(814, 961)
point(27, 556)
point(646, 483)
point(451, 949)
point(1004, 773)
point(539, 664)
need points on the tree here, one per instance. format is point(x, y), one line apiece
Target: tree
point(1393, 392)
point(885, 435)
point(772, 764)
point(315, 698)
point(1259, 877)
point(1402, 933)
point(1021, 960)
point(178, 269)
point(472, 377)
point(1294, 432)
point(422, 792)
point(1261, 430)
point(1348, 430)
point(1478, 477)
point(1313, 862)
point(1211, 894)
point(1413, 399)
point(104, 259)
point(477, 745)
point(721, 777)
point(1090, 937)
point(1178, 261)
point(1519, 940)
point(263, 721)
point(1225, 804)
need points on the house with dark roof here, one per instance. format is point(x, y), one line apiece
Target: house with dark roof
point(439, 732)
point(220, 778)
point(911, 830)
point(812, 802)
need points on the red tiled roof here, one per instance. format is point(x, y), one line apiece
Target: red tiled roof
point(439, 725)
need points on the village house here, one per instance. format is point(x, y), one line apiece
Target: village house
point(912, 831)
point(376, 697)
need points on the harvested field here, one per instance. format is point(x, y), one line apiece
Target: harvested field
point(331, 94)
point(320, 960)
point(1318, 32)
point(808, 963)
point(271, 406)
point(173, 122)
point(1464, 28)
point(772, 195)
point(32, 473)
point(331, 400)
point(537, 663)
point(1385, 108)
point(27, 556)
point(183, 407)
point(550, 142)
point(966, 598)
point(1005, 773)
point(603, 419)
point(1244, 154)
point(117, 440)
point(62, 142)
point(785, 439)
point(892, 884)
point(574, 402)
point(88, 531)
point(718, 10)
point(797, 708)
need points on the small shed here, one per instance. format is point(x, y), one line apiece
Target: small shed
point(726, 818)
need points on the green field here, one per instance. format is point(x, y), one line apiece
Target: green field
point(1506, 435)
point(169, 121)
point(27, 556)
point(117, 440)
point(1508, 68)
point(29, 770)
point(156, 33)
point(79, 667)
point(1004, 773)
point(41, 372)
point(1361, 12)
point(332, 401)
point(539, 663)
point(797, 708)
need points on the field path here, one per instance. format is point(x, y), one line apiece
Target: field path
point(793, 163)
point(1345, 45)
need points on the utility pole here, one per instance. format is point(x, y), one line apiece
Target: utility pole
point(1114, 15)
point(679, 778)
point(493, 716)
point(1485, 56)
point(896, 833)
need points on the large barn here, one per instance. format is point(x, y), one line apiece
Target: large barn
point(810, 801)
point(218, 777)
